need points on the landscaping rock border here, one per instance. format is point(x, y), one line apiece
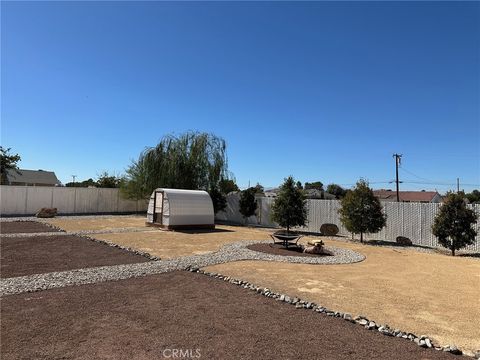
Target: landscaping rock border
point(422, 340)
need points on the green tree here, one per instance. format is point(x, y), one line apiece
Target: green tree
point(105, 180)
point(248, 203)
point(336, 190)
point(219, 200)
point(361, 211)
point(85, 183)
point(318, 185)
point(289, 208)
point(192, 160)
point(473, 197)
point(227, 186)
point(453, 223)
point(7, 162)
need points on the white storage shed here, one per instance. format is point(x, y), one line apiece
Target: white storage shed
point(176, 208)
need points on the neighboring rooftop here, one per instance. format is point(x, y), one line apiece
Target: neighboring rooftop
point(32, 177)
point(408, 196)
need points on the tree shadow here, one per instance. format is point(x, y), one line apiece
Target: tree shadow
point(392, 243)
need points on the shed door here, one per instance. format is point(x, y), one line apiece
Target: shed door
point(158, 207)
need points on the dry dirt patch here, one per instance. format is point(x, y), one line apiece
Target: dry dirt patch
point(140, 318)
point(172, 244)
point(15, 227)
point(429, 294)
point(98, 223)
point(42, 254)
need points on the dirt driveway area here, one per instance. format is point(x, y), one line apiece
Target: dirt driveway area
point(151, 317)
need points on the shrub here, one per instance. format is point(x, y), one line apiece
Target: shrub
point(453, 223)
point(361, 211)
point(289, 208)
point(248, 204)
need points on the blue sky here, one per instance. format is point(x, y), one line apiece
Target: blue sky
point(319, 90)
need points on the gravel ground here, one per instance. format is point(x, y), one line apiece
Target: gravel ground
point(231, 252)
point(147, 318)
point(49, 232)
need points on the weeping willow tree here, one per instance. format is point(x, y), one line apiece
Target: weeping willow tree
point(193, 160)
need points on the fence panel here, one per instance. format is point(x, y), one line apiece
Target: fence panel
point(27, 200)
point(413, 220)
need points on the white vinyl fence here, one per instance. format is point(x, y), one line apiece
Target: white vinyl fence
point(413, 220)
point(27, 200)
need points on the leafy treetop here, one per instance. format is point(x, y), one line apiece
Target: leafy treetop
point(289, 208)
point(453, 224)
point(361, 211)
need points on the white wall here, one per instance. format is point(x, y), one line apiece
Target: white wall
point(27, 200)
point(413, 220)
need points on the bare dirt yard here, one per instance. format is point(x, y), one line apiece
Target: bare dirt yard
point(150, 317)
point(12, 227)
point(41, 254)
point(173, 244)
point(423, 293)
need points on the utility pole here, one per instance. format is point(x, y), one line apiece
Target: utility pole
point(398, 159)
point(458, 185)
point(73, 177)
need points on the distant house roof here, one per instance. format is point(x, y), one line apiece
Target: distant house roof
point(32, 177)
point(409, 196)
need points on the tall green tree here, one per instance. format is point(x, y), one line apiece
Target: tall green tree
point(336, 190)
point(105, 180)
point(361, 211)
point(473, 197)
point(248, 203)
point(8, 161)
point(317, 185)
point(289, 208)
point(453, 225)
point(219, 199)
point(192, 160)
point(227, 186)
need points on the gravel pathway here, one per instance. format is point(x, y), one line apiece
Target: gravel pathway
point(83, 232)
point(231, 252)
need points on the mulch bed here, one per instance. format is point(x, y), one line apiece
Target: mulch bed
point(149, 317)
point(42, 254)
point(278, 249)
point(15, 227)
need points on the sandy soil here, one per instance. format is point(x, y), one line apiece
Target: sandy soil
point(428, 294)
point(100, 223)
point(147, 318)
point(172, 244)
point(42, 254)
